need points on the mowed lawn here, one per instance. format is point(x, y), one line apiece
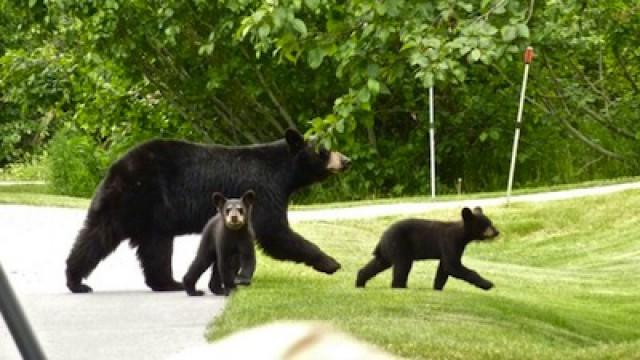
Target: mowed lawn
point(566, 274)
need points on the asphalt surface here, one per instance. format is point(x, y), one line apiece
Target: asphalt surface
point(123, 319)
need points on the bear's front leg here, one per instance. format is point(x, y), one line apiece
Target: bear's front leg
point(247, 267)
point(215, 283)
point(441, 277)
point(472, 277)
point(227, 270)
point(288, 245)
point(197, 267)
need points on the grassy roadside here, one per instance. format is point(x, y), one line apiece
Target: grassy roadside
point(41, 195)
point(483, 195)
point(565, 275)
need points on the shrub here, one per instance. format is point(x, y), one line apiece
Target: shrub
point(75, 163)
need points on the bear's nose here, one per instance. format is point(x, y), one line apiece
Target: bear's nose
point(346, 162)
point(234, 218)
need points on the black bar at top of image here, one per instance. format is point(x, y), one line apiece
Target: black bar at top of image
point(17, 323)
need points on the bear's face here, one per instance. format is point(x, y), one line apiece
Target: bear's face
point(477, 225)
point(235, 212)
point(314, 163)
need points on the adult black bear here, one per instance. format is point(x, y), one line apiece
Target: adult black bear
point(227, 242)
point(154, 192)
point(416, 239)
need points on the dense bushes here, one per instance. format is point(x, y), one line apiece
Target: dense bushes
point(75, 164)
point(76, 161)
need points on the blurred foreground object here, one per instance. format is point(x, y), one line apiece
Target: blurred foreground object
point(287, 341)
point(17, 323)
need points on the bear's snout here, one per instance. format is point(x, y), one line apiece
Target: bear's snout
point(346, 162)
point(491, 233)
point(338, 162)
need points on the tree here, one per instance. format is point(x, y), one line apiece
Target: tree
point(354, 74)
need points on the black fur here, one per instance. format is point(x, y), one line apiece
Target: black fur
point(416, 239)
point(224, 245)
point(154, 192)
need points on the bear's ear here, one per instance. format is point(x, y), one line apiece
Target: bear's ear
point(467, 215)
point(477, 210)
point(218, 200)
point(294, 140)
point(248, 198)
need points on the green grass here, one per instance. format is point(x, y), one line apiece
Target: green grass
point(36, 194)
point(42, 195)
point(566, 276)
point(483, 195)
point(35, 169)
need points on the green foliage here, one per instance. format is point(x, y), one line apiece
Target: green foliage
point(587, 76)
point(562, 272)
point(376, 48)
point(33, 86)
point(75, 163)
point(355, 74)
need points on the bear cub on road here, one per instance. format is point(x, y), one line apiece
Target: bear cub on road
point(416, 239)
point(227, 243)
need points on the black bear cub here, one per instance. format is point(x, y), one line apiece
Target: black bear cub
point(226, 243)
point(416, 239)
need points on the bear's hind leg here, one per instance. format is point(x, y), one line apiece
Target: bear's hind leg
point(155, 254)
point(92, 245)
point(401, 269)
point(373, 268)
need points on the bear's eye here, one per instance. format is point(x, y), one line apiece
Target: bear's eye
point(227, 211)
point(240, 211)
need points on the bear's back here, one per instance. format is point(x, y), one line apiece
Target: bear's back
point(173, 179)
point(419, 238)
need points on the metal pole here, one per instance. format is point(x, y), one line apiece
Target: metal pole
point(432, 144)
point(528, 57)
point(17, 323)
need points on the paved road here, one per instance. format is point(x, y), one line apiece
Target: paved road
point(371, 211)
point(123, 319)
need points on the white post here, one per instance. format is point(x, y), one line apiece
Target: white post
point(528, 57)
point(432, 144)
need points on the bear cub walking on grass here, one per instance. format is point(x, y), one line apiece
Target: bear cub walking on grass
point(226, 243)
point(416, 239)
